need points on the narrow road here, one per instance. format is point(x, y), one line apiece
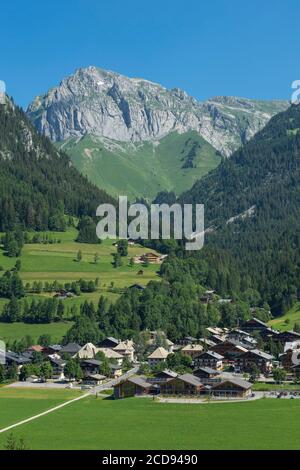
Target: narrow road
point(93, 391)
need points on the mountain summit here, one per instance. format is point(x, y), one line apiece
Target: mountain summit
point(97, 102)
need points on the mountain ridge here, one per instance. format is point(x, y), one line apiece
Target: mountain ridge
point(111, 105)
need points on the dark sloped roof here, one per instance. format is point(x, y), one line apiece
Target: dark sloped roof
point(190, 379)
point(71, 348)
point(140, 381)
point(262, 354)
point(207, 370)
point(235, 380)
point(211, 353)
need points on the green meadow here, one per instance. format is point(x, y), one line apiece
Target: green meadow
point(57, 262)
point(16, 331)
point(174, 163)
point(287, 321)
point(17, 404)
point(140, 423)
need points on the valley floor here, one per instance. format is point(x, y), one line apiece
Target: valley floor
point(138, 423)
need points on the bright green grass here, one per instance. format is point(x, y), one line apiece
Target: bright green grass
point(143, 424)
point(268, 387)
point(143, 169)
point(16, 331)
point(57, 262)
point(17, 404)
point(292, 316)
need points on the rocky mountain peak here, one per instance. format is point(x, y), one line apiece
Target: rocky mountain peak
point(110, 105)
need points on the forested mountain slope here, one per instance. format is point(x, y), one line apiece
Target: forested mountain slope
point(38, 184)
point(252, 208)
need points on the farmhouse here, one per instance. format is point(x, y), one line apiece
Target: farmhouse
point(186, 384)
point(151, 258)
point(233, 387)
point(159, 355)
point(209, 359)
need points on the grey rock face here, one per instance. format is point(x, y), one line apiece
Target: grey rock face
point(110, 105)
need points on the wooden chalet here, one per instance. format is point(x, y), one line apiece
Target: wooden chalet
point(233, 387)
point(209, 359)
point(262, 360)
point(186, 384)
point(159, 355)
point(93, 379)
point(230, 350)
point(131, 387)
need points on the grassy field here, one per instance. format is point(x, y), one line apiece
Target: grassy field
point(58, 262)
point(143, 170)
point(287, 321)
point(17, 331)
point(17, 404)
point(144, 424)
point(268, 387)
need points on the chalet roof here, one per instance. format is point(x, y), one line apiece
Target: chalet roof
point(212, 354)
point(111, 339)
point(137, 286)
point(168, 373)
point(256, 321)
point(190, 379)
point(110, 353)
point(140, 381)
point(89, 349)
point(207, 370)
point(71, 348)
point(192, 347)
point(189, 338)
point(125, 346)
point(236, 381)
point(57, 362)
point(261, 354)
point(96, 376)
point(207, 341)
point(55, 347)
point(159, 353)
point(16, 358)
point(92, 362)
point(292, 333)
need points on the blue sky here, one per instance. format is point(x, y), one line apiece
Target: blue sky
point(215, 47)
